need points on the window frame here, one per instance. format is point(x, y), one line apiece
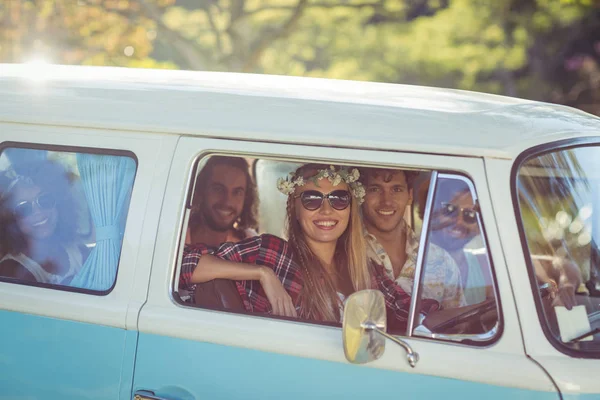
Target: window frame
point(73, 149)
point(525, 156)
point(186, 207)
point(477, 340)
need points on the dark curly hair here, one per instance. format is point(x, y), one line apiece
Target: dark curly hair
point(248, 217)
point(387, 174)
point(50, 177)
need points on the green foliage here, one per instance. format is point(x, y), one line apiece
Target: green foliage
point(97, 32)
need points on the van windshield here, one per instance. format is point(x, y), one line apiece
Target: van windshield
point(559, 201)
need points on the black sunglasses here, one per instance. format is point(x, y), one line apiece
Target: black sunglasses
point(44, 201)
point(469, 215)
point(313, 199)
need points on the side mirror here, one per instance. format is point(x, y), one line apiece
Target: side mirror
point(364, 329)
point(364, 310)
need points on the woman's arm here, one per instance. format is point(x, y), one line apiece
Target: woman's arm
point(200, 266)
point(210, 267)
point(12, 269)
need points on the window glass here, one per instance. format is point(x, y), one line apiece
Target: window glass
point(272, 204)
point(559, 198)
point(361, 218)
point(456, 268)
point(62, 217)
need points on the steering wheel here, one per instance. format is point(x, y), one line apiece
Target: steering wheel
point(443, 321)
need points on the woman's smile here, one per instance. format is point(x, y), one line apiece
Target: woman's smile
point(326, 224)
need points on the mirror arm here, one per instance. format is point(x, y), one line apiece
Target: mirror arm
point(411, 356)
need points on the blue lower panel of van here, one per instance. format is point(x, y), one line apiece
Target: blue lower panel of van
point(185, 370)
point(47, 358)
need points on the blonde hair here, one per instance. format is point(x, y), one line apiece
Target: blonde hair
point(318, 297)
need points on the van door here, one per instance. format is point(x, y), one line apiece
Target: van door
point(68, 313)
point(192, 353)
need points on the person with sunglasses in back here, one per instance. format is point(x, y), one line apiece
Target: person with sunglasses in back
point(393, 244)
point(455, 228)
point(39, 231)
point(322, 263)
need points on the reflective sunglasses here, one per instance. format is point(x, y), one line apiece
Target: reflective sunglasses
point(44, 201)
point(313, 199)
point(469, 215)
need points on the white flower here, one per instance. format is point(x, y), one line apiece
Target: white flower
point(337, 180)
point(359, 192)
point(286, 187)
point(332, 167)
point(299, 181)
point(325, 174)
point(353, 176)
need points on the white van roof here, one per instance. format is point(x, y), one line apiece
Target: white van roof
point(285, 109)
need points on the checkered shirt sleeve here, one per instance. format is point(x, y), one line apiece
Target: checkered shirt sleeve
point(265, 250)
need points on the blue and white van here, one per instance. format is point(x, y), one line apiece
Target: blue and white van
point(131, 143)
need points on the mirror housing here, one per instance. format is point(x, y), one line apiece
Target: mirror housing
point(364, 317)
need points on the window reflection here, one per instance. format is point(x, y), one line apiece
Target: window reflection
point(558, 197)
point(62, 216)
point(455, 228)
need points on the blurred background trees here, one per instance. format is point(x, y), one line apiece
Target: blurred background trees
point(538, 49)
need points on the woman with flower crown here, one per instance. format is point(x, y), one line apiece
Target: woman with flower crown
point(322, 263)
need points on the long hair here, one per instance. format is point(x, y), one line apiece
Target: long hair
point(247, 218)
point(50, 177)
point(12, 240)
point(318, 297)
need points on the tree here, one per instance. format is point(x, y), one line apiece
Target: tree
point(98, 32)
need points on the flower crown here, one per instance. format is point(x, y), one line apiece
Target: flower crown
point(288, 184)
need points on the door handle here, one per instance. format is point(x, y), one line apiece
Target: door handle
point(146, 395)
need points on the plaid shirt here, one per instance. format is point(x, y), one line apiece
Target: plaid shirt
point(273, 252)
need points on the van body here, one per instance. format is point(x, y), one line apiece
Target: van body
point(131, 335)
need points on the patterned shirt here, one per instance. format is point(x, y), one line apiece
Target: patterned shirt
point(442, 276)
point(273, 252)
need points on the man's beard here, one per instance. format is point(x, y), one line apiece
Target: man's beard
point(448, 242)
point(213, 225)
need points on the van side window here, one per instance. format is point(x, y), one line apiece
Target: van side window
point(63, 216)
point(456, 268)
point(351, 211)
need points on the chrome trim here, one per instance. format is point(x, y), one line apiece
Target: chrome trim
point(480, 337)
point(412, 315)
point(146, 395)
point(411, 356)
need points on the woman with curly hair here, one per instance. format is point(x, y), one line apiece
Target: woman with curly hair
point(39, 231)
point(322, 263)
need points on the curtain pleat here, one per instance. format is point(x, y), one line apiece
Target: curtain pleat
point(107, 183)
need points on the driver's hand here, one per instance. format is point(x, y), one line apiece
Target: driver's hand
point(565, 296)
point(429, 305)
